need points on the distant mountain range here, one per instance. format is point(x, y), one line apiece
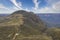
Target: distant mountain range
point(50, 18)
point(2, 15)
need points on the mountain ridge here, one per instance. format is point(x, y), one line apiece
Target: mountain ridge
point(21, 24)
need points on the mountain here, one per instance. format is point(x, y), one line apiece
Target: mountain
point(2, 17)
point(22, 25)
point(51, 19)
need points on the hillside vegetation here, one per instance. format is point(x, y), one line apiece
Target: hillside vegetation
point(23, 25)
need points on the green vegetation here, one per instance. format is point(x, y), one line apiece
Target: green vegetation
point(54, 33)
point(22, 25)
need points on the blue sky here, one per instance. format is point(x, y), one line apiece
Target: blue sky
point(36, 6)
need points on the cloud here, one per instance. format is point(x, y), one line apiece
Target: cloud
point(46, 10)
point(18, 5)
point(27, 9)
point(51, 2)
point(3, 7)
point(36, 4)
point(55, 8)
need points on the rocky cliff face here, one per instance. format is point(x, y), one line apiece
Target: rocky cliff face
point(21, 24)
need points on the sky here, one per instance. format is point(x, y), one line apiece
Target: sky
point(36, 6)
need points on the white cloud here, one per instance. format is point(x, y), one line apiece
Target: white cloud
point(55, 8)
point(27, 9)
point(46, 10)
point(18, 5)
point(3, 7)
point(36, 3)
point(51, 2)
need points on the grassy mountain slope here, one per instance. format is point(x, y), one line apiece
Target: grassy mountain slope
point(22, 24)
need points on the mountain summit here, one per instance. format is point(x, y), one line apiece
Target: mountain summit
point(21, 23)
